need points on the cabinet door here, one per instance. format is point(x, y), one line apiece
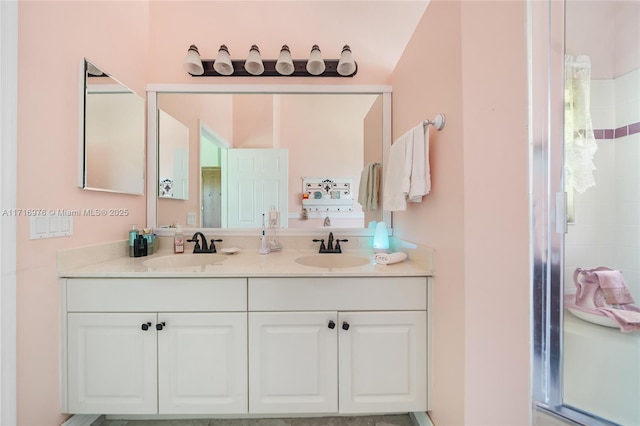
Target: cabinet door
point(111, 363)
point(383, 361)
point(293, 362)
point(202, 363)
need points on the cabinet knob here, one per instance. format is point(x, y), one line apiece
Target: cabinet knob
point(331, 325)
point(345, 325)
point(160, 326)
point(146, 326)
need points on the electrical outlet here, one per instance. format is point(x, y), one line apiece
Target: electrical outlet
point(191, 218)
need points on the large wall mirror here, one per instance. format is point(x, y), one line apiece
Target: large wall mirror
point(293, 153)
point(112, 136)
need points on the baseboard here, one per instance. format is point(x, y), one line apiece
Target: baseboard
point(420, 418)
point(81, 420)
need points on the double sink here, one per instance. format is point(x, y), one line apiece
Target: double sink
point(200, 262)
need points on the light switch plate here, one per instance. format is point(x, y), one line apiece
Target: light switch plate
point(50, 226)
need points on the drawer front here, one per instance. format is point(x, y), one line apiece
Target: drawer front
point(297, 294)
point(156, 294)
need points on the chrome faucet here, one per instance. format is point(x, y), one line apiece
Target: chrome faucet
point(204, 248)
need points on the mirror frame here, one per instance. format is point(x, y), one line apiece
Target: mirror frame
point(153, 90)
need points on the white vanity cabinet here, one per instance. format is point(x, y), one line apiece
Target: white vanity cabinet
point(360, 346)
point(244, 346)
point(147, 346)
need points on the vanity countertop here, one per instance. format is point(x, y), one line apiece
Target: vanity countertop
point(244, 263)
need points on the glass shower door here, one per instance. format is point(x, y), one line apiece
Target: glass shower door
point(600, 362)
point(585, 367)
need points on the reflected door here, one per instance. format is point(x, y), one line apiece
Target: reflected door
point(211, 197)
point(257, 183)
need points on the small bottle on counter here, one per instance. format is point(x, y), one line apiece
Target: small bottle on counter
point(140, 246)
point(133, 234)
point(178, 241)
point(150, 240)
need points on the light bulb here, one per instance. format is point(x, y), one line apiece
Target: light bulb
point(253, 64)
point(192, 62)
point(346, 64)
point(315, 64)
point(223, 64)
point(284, 65)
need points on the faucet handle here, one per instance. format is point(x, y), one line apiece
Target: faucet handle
point(212, 247)
point(322, 246)
point(196, 247)
point(338, 248)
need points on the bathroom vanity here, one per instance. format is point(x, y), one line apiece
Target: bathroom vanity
point(248, 335)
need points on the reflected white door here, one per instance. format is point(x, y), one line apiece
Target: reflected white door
point(256, 182)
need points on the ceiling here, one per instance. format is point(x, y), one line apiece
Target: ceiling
point(377, 31)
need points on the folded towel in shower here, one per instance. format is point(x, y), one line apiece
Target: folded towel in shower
point(628, 320)
point(589, 294)
point(420, 169)
point(614, 288)
point(397, 178)
point(369, 187)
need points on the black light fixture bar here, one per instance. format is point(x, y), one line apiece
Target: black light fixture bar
point(299, 65)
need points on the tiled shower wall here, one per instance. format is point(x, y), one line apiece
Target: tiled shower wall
point(606, 231)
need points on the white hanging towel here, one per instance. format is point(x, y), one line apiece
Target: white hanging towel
point(397, 180)
point(420, 169)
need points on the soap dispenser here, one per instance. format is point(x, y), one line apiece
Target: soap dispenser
point(133, 234)
point(178, 241)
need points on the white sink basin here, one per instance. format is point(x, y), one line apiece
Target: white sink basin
point(330, 260)
point(184, 262)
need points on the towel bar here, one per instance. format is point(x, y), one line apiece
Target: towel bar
point(438, 122)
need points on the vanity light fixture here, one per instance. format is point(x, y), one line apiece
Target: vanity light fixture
point(315, 65)
point(223, 64)
point(284, 66)
point(193, 63)
point(254, 65)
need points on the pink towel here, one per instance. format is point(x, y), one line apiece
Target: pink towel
point(588, 292)
point(628, 320)
point(614, 288)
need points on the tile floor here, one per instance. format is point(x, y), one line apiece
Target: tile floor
point(387, 420)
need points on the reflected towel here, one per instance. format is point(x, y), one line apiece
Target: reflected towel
point(627, 319)
point(420, 169)
point(369, 187)
point(614, 288)
point(398, 174)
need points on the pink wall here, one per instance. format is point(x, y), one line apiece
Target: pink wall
point(425, 83)
point(53, 39)
point(476, 217)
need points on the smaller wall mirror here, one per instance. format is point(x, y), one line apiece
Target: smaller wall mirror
point(112, 141)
